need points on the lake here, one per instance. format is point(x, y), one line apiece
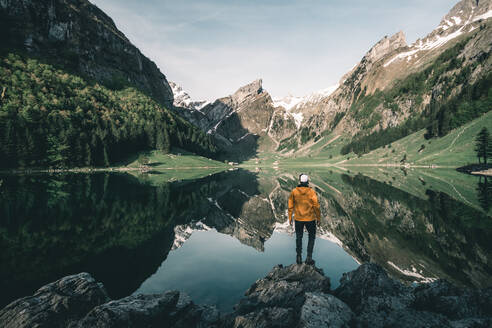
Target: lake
point(213, 236)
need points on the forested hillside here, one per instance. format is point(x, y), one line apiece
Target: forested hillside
point(456, 101)
point(50, 118)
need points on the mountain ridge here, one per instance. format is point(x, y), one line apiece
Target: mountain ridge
point(379, 93)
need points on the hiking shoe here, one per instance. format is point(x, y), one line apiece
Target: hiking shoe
point(299, 259)
point(309, 260)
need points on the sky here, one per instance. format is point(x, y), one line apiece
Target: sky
point(211, 48)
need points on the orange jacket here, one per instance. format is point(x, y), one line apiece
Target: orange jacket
point(303, 203)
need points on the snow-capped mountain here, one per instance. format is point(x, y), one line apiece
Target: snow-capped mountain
point(183, 99)
point(291, 102)
point(249, 121)
point(463, 18)
point(357, 106)
point(295, 106)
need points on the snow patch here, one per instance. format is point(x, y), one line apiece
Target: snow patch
point(413, 273)
point(181, 98)
point(298, 117)
point(457, 20)
point(288, 102)
point(244, 136)
point(291, 102)
point(428, 45)
point(488, 14)
point(331, 237)
point(183, 232)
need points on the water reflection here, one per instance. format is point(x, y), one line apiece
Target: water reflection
point(214, 236)
point(484, 190)
point(222, 271)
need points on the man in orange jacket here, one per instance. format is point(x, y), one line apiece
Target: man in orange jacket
point(303, 204)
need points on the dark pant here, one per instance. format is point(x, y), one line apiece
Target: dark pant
point(311, 228)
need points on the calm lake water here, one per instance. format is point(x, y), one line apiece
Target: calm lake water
point(213, 237)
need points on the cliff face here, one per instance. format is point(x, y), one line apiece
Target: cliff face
point(240, 122)
point(79, 36)
point(244, 123)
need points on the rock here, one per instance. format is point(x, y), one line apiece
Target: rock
point(292, 296)
point(249, 90)
point(182, 99)
point(282, 125)
point(57, 304)
point(170, 309)
point(78, 301)
point(323, 310)
point(235, 121)
point(407, 318)
point(385, 46)
point(379, 301)
point(454, 302)
point(472, 322)
point(270, 317)
point(284, 287)
point(277, 299)
point(133, 311)
point(369, 287)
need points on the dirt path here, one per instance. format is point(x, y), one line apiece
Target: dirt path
point(450, 145)
point(484, 172)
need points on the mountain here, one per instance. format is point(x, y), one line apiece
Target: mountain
point(183, 99)
point(75, 92)
point(243, 123)
point(439, 82)
point(81, 37)
point(247, 122)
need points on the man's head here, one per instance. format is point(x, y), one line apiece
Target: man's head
point(303, 179)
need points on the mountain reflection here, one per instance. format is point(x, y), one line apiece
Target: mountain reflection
point(121, 228)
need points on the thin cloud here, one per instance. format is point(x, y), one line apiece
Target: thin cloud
point(213, 47)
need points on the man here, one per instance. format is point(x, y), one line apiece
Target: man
point(303, 204)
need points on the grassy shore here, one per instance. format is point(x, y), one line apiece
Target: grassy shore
point(451, 151)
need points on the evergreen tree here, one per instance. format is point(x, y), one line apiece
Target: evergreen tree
point(483, 145)
point(51, 118)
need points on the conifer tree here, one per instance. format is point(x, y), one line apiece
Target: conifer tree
point(483, 145)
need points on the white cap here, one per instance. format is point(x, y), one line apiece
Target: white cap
point(303, 178)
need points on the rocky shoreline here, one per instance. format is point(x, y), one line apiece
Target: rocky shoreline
point(292, 296)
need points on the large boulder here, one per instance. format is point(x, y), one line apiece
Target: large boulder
point(170, 309)
point(324, 310)
point(380, 301)
point(78, 301)
point(269, 317)
point(454, 302)
point(284, 287)
point(284, 296)
point(58, 304)
point(370, 287)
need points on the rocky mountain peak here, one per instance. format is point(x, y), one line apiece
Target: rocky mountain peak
point(182, 98)
point(464, 13)
point(252, 89)
point(385, 46)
